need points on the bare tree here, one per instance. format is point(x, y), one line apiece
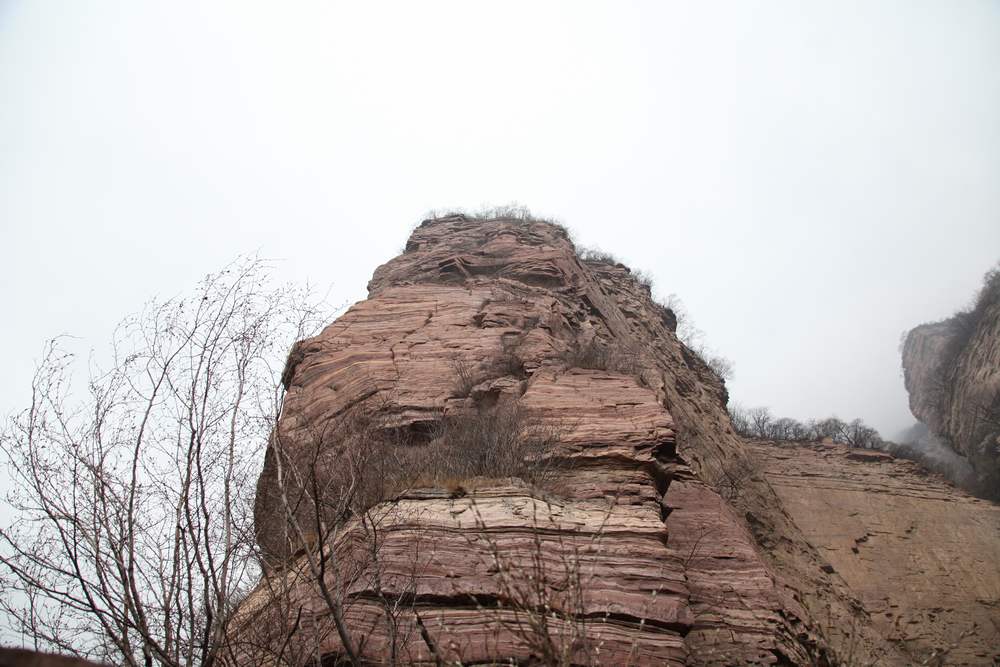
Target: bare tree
point(858, 434)
point(760, 421)
point(133, 536)
point(329, 481)
point(739, 417)
point(693, 338)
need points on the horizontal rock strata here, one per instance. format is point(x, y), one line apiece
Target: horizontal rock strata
point(653, 538)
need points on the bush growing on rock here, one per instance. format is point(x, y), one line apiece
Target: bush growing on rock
point(599, 356)
point(962, 326)
point(493, 442)
point(512, 212)
point(693, 338)
point(468, 373)
point(596, 256)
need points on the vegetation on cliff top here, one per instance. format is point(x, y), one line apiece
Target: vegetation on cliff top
point(962, 325)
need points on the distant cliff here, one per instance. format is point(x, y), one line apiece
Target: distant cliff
point(952, 372)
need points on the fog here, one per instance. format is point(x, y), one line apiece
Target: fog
point(936, 455)
point(811, 180)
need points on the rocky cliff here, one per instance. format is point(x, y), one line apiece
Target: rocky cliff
point(952, 373)
point(919, 556)
point(657, 535)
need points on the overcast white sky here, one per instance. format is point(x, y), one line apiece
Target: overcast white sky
point(811, 178)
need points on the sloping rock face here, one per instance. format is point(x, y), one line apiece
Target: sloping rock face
point(920, 555)
point(952, 373)
point(658, 539)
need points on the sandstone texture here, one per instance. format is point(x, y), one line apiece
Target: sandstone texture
point(921, 557)
point(952, 373)
point(660, 538)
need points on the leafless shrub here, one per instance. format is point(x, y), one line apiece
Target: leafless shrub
point(332, 483)
point(280, 623)
point(732, 477)
point(596, 256)
point(503, 362)
point(686, 332)
point(512, 212)
point(508, 360)
point(962, 326)
point(693, 338)
point(467, 375)
point(332, 471)
point(694, 552)
point(600, 356)
point(721, 366)
point(644, 279)
point(133, 536)
point(496, 442)
point(357, 462)
point(338, 487)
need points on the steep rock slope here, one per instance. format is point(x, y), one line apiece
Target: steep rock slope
point(660, 540)
point(952, 373)
point(920, 555)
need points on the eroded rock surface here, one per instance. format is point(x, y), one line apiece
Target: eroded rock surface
point(921, 556)
point(628, 555)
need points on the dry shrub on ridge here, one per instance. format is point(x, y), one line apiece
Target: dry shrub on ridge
point(598, 356)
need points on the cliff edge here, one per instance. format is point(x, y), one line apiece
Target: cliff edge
point(952, 374)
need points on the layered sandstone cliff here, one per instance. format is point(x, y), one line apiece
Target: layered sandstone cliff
point(952, 373)
point(660, 537)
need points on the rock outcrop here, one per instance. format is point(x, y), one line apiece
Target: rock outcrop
point(660, 537)
point(920, 556)
point(952, 373)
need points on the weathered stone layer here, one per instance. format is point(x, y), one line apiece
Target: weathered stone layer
point(667, 570)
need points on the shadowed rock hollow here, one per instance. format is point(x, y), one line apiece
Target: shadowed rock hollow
point(658, 536)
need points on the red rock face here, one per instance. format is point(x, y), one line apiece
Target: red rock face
point(627, 554)
point(920, 556)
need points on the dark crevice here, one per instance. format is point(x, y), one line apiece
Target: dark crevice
point(417, 432)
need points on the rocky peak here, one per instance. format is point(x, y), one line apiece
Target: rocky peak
point(655, 537)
